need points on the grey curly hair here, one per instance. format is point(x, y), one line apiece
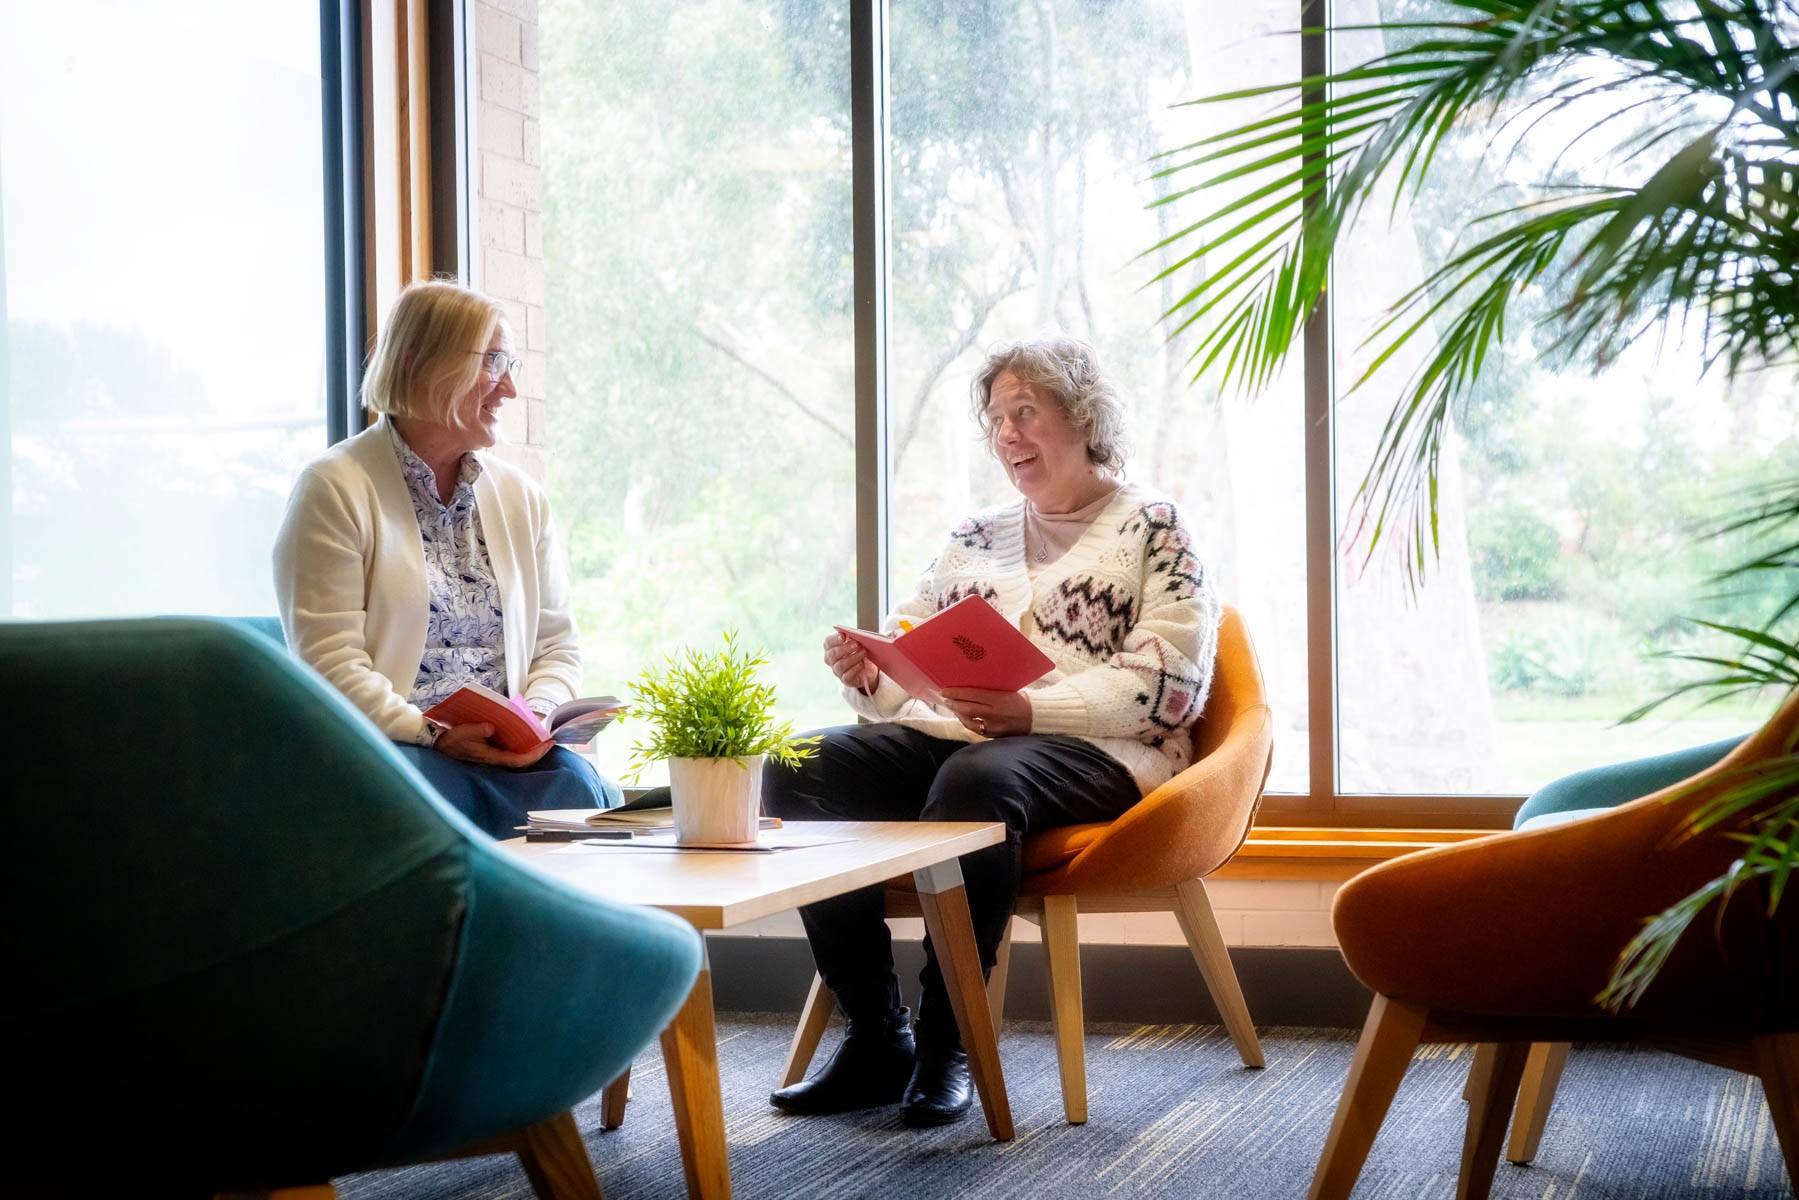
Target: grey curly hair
point(1067, 369)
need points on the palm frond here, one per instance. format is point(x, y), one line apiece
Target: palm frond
point(1711, 233)
point(1763, 803)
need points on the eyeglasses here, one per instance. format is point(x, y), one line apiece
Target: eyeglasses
point(498, 363)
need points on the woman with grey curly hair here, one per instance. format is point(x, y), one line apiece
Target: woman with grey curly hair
point(1067, 371)
point(1100, 574)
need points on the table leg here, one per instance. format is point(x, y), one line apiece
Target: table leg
point(690, 1056)
point(945, 904)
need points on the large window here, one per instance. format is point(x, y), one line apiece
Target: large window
point(1020, 204)
point(700, 399)
point(1572, 503)
point(162, 315)
point(703, 392)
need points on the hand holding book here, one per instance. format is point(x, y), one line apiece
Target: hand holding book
point(470, 742)
point(516, 729)
point(850, 663)
point(988, 713)
point(967, 658)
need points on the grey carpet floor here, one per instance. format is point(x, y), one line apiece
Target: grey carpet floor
point(1173, 1113)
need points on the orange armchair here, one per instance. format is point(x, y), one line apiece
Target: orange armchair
point(1506, 941)
point(1151, 859)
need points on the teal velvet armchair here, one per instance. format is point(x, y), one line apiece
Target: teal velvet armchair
point(252, 949)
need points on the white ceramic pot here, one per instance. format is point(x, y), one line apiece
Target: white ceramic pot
point(716, 799)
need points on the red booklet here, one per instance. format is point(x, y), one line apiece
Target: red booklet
point(967, 645)
point(516, 727)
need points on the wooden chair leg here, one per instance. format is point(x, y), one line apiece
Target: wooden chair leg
point(1478, 1070)
point(613, 1100)
point(996, 979)
point(1488, 1112)
point(1777, 1062)
point(1062, 947)
point(1542, 1074)
point(814, 1017)
point(556, 1161)
point(1388, 1039)
point(1201, 928)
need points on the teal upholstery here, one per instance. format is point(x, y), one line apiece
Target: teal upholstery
point(251, 935)
point(1600, 788)
point(268, 627)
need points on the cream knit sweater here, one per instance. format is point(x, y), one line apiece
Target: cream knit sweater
point(1128, 617)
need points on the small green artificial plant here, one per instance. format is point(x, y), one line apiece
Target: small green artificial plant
point(710, 706)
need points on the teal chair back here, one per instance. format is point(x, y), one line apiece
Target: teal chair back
point(268, 627)
point(251, 931)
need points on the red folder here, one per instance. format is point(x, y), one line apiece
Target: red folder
point(967, 645)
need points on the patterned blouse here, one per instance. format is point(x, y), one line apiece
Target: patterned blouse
point(464, 638)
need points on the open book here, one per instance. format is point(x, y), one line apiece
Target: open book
point(516, 727)
point(967, 645)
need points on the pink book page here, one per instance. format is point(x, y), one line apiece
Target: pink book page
point(531, 719)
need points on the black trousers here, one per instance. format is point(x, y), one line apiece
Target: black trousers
point(892, 773)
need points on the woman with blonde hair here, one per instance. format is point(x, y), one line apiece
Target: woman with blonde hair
point(411, 563)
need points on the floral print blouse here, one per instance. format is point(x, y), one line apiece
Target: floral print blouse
point(464, 638)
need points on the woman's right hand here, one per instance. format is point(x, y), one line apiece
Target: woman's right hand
point(849, 662)
point(468, 743)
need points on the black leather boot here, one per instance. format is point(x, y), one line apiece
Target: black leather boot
point(940, 1090)
point(869, 1069)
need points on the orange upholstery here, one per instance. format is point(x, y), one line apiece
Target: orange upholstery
point(1190, 825)
point(1530, 924)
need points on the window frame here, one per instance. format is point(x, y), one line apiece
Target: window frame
point(1324, 804)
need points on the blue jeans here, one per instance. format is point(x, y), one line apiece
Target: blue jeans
point(497, 798)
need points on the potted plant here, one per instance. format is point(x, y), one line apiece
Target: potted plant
point(710, 718)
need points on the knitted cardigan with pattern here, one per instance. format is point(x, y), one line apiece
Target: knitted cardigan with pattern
point(1127, 615)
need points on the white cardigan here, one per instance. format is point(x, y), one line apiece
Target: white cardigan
point(350, 580)
point(1128, 616)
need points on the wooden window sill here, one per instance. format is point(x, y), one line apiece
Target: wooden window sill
point(1296, 852)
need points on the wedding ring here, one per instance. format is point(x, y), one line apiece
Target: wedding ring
point(980, 723)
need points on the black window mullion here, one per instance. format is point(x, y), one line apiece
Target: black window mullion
point(346, 324)
point(868, 153)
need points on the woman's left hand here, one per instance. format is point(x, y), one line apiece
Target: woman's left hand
point(990, 714)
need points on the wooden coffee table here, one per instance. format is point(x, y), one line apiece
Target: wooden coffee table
point(717, 890)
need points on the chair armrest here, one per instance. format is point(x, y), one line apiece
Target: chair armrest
point(1532, 923)
point(554, 993)
point(1184, 829)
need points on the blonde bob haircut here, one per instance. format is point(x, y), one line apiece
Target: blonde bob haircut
point(430, 351)
point(1067, 369)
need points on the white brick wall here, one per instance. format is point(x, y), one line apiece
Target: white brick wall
point(1250, 913)
point(509, 217)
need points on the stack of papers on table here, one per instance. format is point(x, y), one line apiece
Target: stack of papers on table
point(611, 822)
point(793, 837)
